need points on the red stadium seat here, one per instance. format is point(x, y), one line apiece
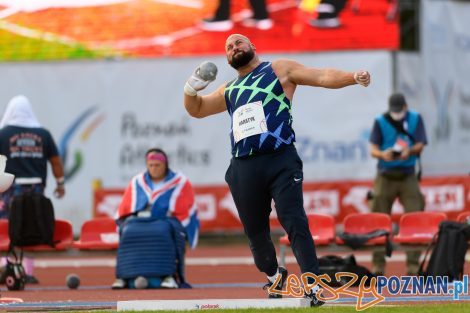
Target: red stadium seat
point(363, 223)
point(98, 234)
point(322, 228)
point(463, 217)
point(419, 227)
point(4, 237)
point(63, 237)
point(392, 9)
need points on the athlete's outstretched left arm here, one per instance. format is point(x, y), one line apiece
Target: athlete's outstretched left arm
point(328, 78)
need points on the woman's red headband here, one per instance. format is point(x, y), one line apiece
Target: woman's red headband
point(156, 156)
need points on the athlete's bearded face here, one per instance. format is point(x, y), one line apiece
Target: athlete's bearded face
point(241, 58)
point(239, 51)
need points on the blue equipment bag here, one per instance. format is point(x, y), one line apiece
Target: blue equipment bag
point(152, 248)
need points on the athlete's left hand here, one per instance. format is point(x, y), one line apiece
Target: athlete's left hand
point(362, 78)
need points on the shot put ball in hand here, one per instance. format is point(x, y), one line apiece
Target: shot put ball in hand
point(208, 71)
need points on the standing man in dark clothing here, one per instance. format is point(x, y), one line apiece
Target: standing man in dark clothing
point(397, 139)
point(265, 164)
point(28, 148)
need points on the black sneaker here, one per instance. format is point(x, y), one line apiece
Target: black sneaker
point(280, 285)
point(312, 296)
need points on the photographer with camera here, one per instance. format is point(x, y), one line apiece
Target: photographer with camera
point(397, 140)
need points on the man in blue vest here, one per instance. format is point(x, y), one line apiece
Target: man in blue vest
point(397, 139)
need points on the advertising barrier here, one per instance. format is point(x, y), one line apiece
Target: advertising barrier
point(217, 211)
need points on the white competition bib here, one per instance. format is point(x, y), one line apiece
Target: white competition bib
point(249, 120)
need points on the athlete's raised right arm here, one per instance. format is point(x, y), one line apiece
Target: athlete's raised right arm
point(202, 106)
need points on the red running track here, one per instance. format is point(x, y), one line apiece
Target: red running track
point(96, 280)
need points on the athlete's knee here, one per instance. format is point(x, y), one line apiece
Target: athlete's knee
point(295, 224)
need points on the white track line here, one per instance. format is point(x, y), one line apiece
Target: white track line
point(191, 261)
point(206, 304)
point(36, 34)
point(212, 261)
point(8, 12)
point(195, 4)
point(37, 5)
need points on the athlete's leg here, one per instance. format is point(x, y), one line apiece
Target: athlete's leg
point(286, 189)
point(247, 184)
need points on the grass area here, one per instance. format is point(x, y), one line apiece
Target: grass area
point(412, 308)
point(18, 48)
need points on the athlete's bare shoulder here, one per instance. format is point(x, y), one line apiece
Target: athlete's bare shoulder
point(283, 67)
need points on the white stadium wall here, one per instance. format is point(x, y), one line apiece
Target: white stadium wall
point(105, 114)
point(436, 82)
